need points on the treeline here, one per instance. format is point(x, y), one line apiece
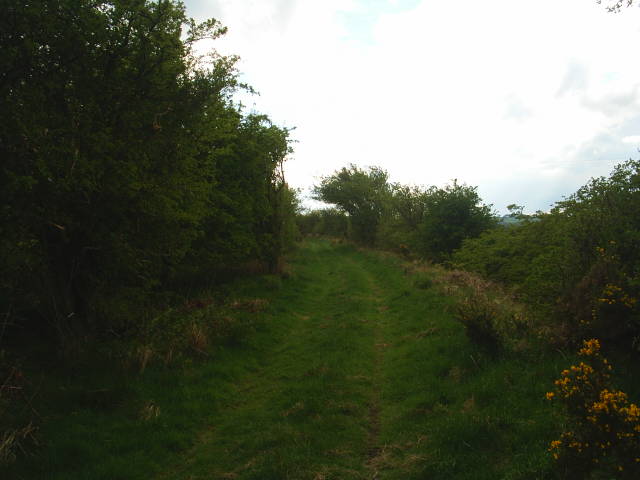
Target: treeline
point(577, 266)
point(430, 222)
point(127, 169)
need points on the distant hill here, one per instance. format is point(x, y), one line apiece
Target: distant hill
point(508, 220)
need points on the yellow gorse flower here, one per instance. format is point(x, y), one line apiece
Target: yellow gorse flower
point(606, 426)
point(590, 347)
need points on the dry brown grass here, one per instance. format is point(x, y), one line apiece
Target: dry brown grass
point(254, 305)
point(144, 354)
point(198, 339)
point(150, 411)
point(17, 435)
point(197, 304)
point(491, 315)
point(16, 441)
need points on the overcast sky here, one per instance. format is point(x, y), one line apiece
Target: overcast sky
point(525, 99)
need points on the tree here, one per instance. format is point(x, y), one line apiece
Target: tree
point(98, 104)
point(617, 5)
point(330, 221)
point(361, 193)
point(453, 213)
point(122, 157)
point(398, 229)
point(516, 211)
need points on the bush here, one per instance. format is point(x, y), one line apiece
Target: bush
point(492, 318)
point(478, 313)
point(605, 302)
point(126, 166)
point(578, 264)
point(193, 331)
point(330, 222)
point(603, 428)
point(452, 214)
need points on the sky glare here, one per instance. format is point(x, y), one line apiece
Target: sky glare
point(526, 100)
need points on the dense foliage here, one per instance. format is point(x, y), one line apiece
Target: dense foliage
point(577, 266)
point(329, 221)
point(453, 214)
point(431, 222)
point(579, 263)
point(125, 164)
point(129, 176)
point(361, 194)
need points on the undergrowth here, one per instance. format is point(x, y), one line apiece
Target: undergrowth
point(18, 418)
point(194, 329)
point(493, 319)
point(48, 397)
point(357, 365)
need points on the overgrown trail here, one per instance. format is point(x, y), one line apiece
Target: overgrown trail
point(354, 370)
point(315, 408)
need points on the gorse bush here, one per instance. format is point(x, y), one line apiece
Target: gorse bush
point(605, 302)
point(602, 434)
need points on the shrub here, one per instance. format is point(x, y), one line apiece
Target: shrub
point(603, 427)
point(578, 264)
point(195, 330)
point(452, 214)
point(477, 312)
point(493, 320)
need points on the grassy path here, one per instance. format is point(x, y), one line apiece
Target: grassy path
point(313, 408)
point(354, 371)
point(370, 379)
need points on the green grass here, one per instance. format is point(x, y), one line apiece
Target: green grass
point(353, 371)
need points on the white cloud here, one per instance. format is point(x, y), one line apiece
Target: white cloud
point(486, 92)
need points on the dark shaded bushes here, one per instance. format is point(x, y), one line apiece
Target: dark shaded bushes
point(412, 221)
point(127, 169)
point(579, 264)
